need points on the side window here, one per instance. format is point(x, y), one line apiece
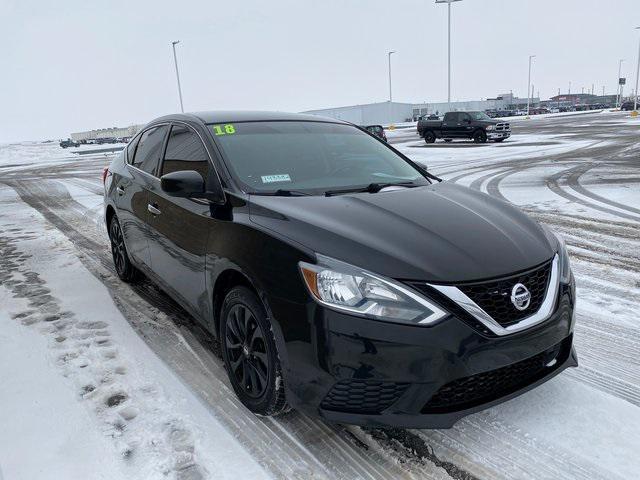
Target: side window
point(185, 152)
point(131, 150)
point(451, 117)
point(464, 117)
point(149, 147)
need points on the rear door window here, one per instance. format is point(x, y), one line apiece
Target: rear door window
point(185, 151)
point(149, 147)
point(131, 150)
point(451, 117)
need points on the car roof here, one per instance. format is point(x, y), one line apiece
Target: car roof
point(230, 116)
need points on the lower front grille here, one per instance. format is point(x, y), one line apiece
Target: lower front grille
point(488, 386)
point(363, 396)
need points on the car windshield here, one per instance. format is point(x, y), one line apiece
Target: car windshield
point(479, 116)
point(313, 157)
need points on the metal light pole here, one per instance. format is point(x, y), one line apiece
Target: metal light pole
point(175, 60)
point(531, 57)
point(618, 81)
point(635, 102)
point(448, 2)
point(390, 90)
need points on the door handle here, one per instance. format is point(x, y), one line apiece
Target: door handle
point(120, 190)
point(153, 210)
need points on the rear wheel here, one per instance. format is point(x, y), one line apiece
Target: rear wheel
point(125, 270)
point(250, 354)
point(480, 136)
point(429, 137)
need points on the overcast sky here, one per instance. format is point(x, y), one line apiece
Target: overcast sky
point(71, 65)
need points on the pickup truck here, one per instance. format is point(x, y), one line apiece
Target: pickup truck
point(477, 126)
point(69, 143)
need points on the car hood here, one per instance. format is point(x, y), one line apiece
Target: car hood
point(438, 233)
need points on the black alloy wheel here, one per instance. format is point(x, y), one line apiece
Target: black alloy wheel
point(250, 354)
point(125, 270)
point(480, 136)
point(429, 137)
point(247, 351)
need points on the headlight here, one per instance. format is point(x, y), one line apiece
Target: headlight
point(565, 266)
point(350, 289)
point(490, 127)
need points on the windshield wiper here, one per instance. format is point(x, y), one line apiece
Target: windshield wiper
point(283, 193)
point(371, 188)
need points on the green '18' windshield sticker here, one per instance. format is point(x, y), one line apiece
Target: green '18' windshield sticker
point(227, 129)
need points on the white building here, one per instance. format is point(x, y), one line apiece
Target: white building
point(386, 113)
point(505, 101)
point(382, 113)
point(114, 132)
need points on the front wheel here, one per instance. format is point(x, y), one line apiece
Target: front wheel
point(480, 136)
point(250, 354)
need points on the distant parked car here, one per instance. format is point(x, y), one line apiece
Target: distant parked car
point(69, 143)
point(504, 113)
point(102, 141)
point(628, 106)
point(376, 130)
point(539, 111)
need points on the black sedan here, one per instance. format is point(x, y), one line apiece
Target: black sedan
point(376, 130)
point(340, 277)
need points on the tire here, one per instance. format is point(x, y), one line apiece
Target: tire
point(480, 136)
point(429, 137)
point(448, 140)
point(124, 268)
point(250, 353)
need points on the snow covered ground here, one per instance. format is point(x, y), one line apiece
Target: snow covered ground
point(103, 380)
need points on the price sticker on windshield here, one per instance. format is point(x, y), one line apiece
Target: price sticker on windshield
point(227, 129)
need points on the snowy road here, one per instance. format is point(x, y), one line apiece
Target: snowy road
point(159, 402)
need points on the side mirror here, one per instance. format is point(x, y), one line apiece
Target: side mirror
point(190, 184)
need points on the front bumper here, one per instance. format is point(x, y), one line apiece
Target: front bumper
point(353, 370)
point(493, 135)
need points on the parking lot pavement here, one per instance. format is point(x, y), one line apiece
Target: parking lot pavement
point(579, 175)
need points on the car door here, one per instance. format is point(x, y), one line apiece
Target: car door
point(180, 225)
point(450, 125)
point(132, 191)
point(465, 125)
